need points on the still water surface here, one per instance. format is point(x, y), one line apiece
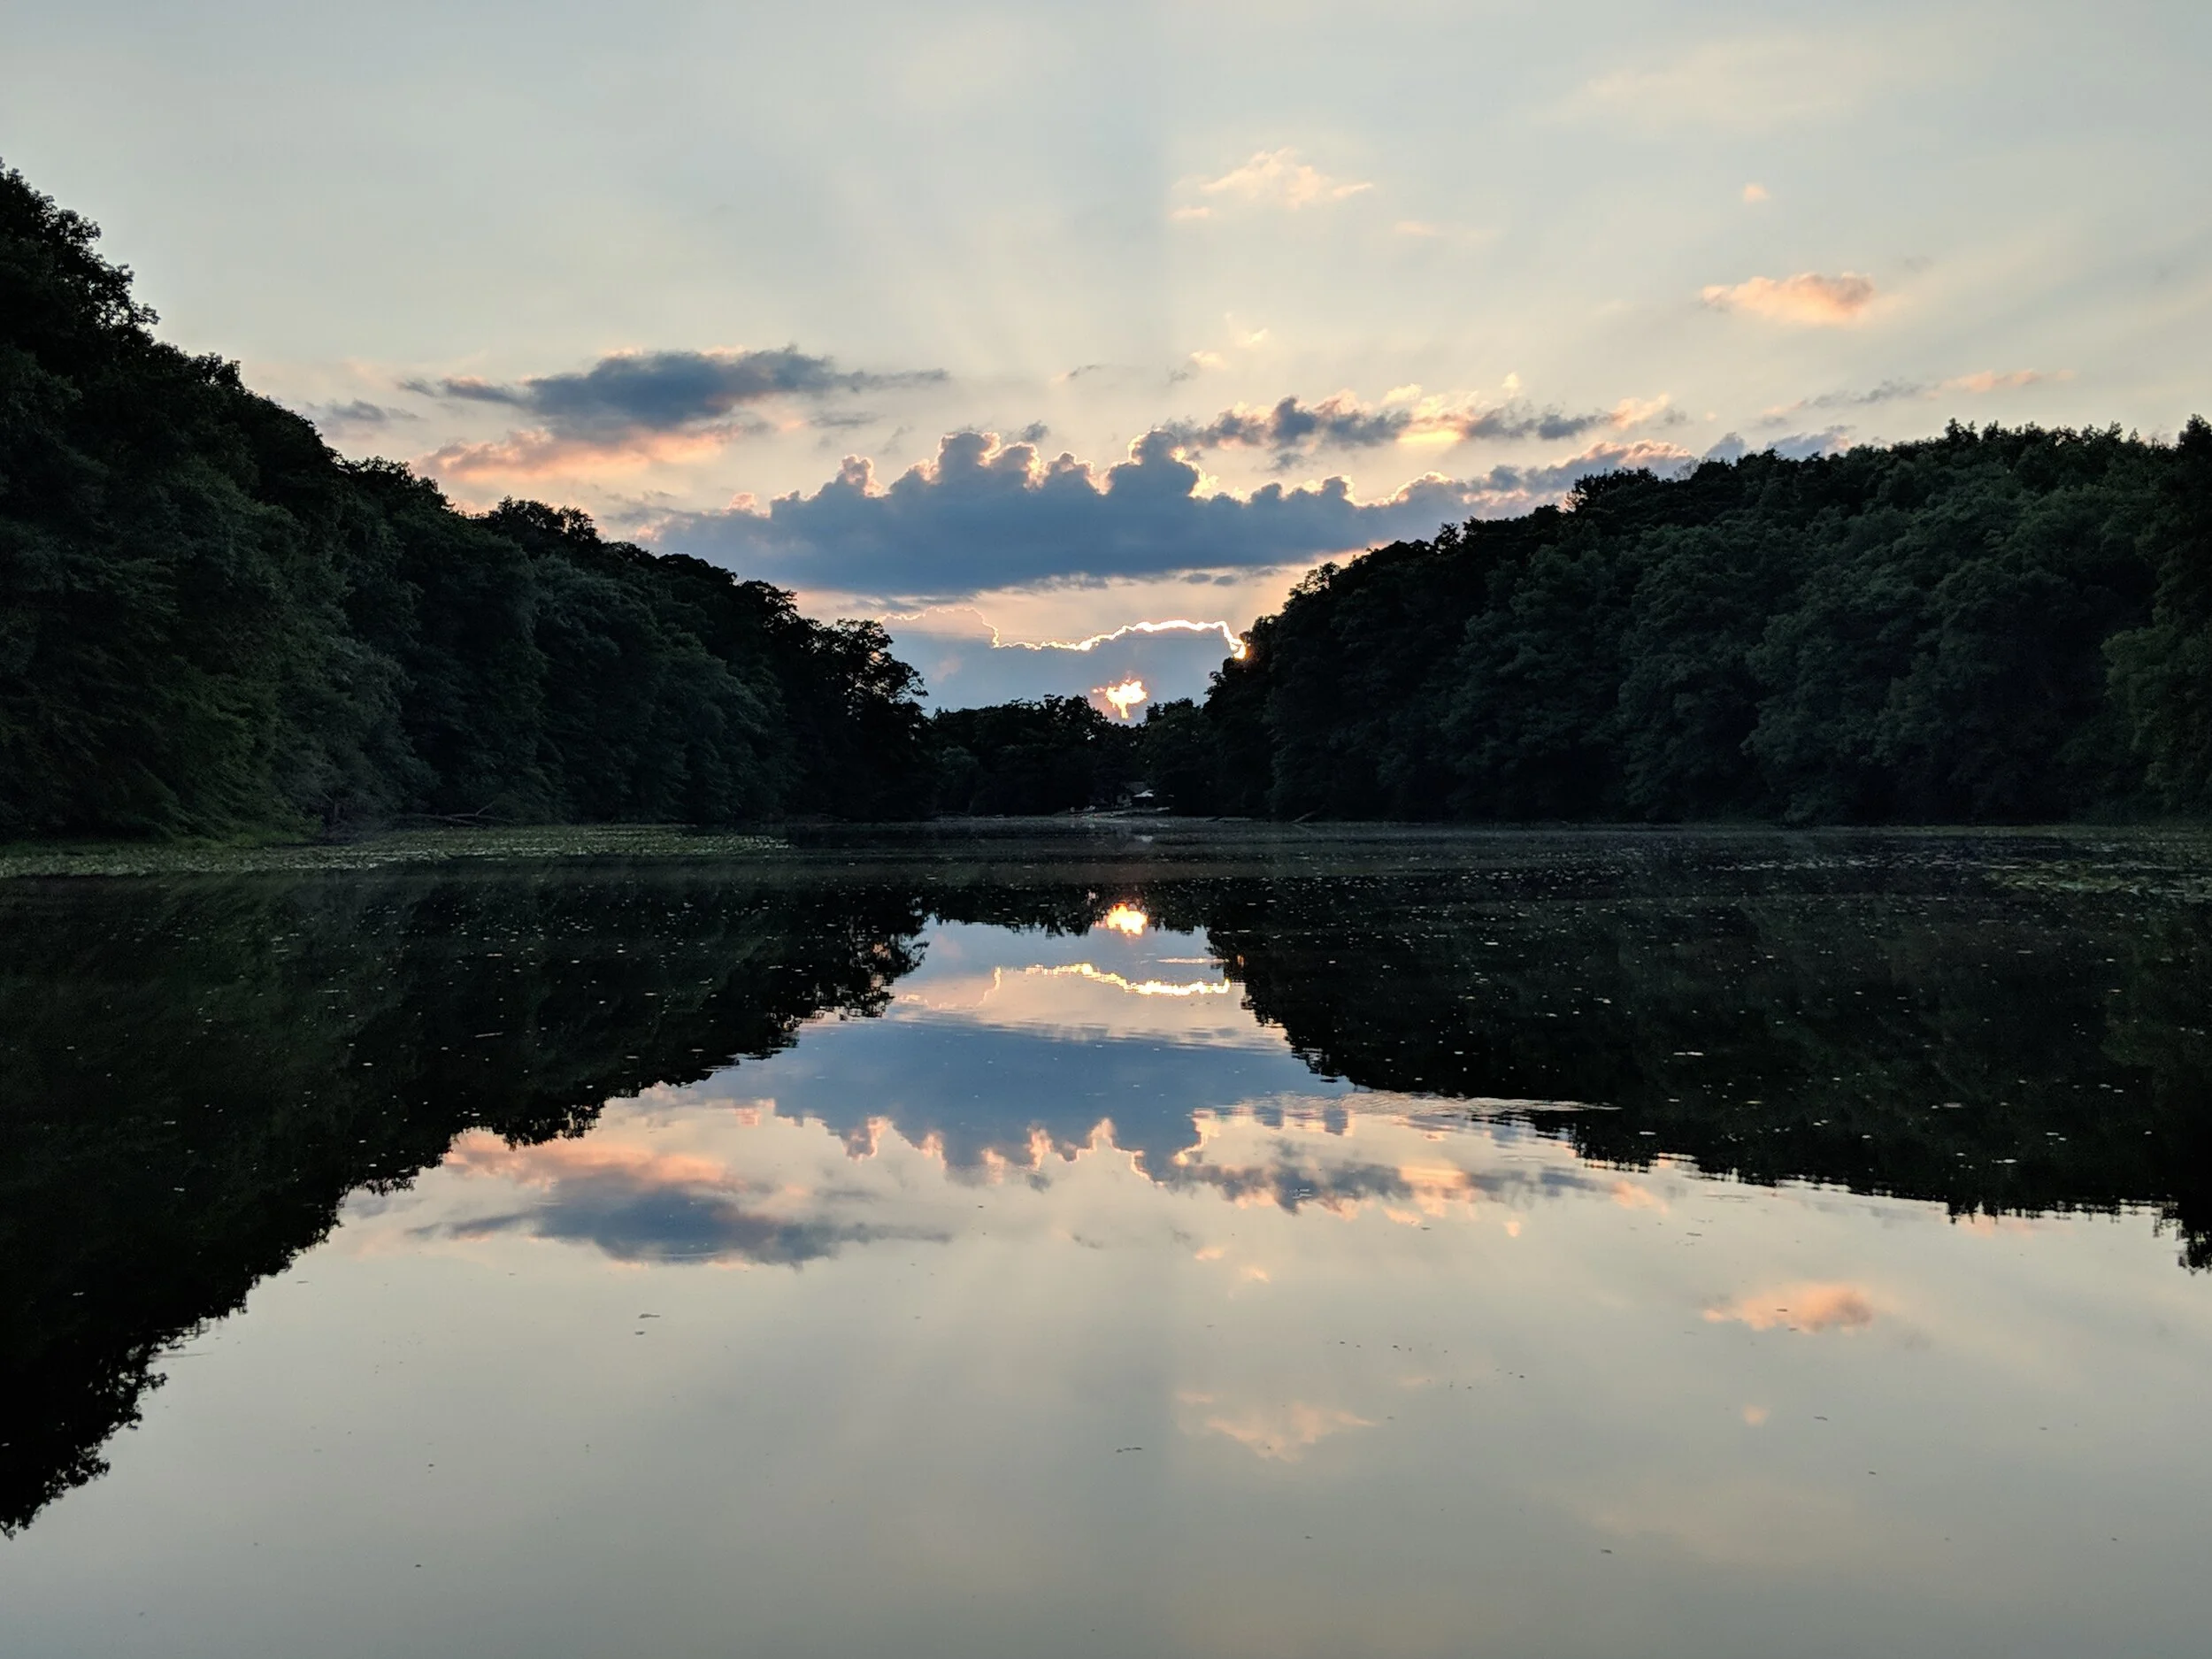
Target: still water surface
point(1667, 1244)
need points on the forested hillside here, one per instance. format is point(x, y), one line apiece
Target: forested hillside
point(1990, 626)
point(211, 624)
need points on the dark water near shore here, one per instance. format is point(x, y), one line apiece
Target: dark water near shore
point(1698, 1244)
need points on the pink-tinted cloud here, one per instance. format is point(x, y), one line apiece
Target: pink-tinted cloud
point(1989, 380)
point(1800, 1307)
point(1808, 298)
point(529, 455)
point(637, 1204)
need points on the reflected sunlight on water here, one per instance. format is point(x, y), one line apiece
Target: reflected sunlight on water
point(1125, 918)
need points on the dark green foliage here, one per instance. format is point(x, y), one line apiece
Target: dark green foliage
point(1053, 754)
point(1993, 625)
point(2163, 672)
point(1175, 750)
point(211, 625)
point(174, 653)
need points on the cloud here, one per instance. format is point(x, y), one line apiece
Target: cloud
point(1989, 380)
point(1274, 177)
point(1808, 297)
point(1282, 1432)
point(1290, 1173)
point(987, 514)
point(1890, 391)
point(667, 391)
point(1242, 340)
point(965, 671)
point(633, 409)
point(1293, 429)
point(1804, 1307)
point(637, 1205)
point(1288, 424)
point(1798, 446)
point(541, 454)
point(358, 415)
point(1172, 624)
point(1804, 446)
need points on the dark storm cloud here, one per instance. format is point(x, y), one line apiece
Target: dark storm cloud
point(988, 515)
point(667, 391)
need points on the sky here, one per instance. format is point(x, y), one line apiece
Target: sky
point(1018, 327)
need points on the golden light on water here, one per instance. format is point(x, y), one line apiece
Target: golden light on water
point(1125, 918)
point(1124, 697)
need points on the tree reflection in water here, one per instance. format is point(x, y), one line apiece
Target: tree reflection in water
point(196, 1074)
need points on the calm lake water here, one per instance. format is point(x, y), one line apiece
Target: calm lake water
point(1667, 1244)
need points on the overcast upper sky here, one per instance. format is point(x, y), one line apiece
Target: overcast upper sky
point(1044, 319)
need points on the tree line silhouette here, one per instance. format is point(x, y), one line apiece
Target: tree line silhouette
point(211, 624)
point(1990, 626)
